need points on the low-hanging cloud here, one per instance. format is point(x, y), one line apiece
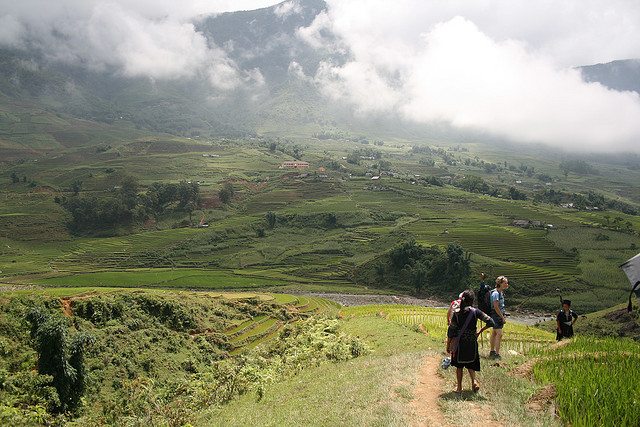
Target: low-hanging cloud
point(492, 66)
point(145, 38)
point(287, 8)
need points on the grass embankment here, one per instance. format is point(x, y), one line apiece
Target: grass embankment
point(370, 390)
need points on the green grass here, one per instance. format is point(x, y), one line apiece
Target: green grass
point(376, 389)
point(363, 386)
point(596, 381)
point(302, 255)
point(433, 321)
point(161, 278)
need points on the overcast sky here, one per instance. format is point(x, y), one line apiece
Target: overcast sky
point(498, 66)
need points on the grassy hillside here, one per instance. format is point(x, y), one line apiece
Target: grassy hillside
point(140, 342)
point(331, 220)
point(175, 357)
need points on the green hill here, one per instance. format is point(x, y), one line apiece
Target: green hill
point(202, 358)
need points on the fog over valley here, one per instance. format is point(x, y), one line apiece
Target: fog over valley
point(502, 68)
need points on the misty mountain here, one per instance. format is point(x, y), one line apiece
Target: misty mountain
point(262, 80)
point(619, 75)
point(265, 39)
point(261, 40)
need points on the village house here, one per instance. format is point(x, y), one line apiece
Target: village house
point(525, 223)
point(294, 165)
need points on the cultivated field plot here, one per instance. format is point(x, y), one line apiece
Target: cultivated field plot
point(260, 329)
point(301, 251)
point(166, 278)
point(433, 321)
point(596, 380)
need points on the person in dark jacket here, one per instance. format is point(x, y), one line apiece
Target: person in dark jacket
point(565, 320)
point(484, 295)
point(463, 339)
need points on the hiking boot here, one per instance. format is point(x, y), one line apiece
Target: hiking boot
point(492, 354)
point(497, 356)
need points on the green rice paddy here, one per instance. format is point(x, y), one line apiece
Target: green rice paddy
point(301, 252)
point(596, 381)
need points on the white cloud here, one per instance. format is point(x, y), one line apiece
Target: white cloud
point(287, 8)
point(313, 34)
point(151, 38)
point(296, 70)
point(493, 66)
point(11, 30)
point(359, 83)
point(142, 47)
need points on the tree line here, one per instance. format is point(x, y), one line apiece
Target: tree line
point(410, 265)
point(125, 205)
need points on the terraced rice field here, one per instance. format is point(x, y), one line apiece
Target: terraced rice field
point(525, 255)
point(165, 278)
point(117, 253)
point(509, 244)
point(433, 321)
point(596, 380)
point(251, 333)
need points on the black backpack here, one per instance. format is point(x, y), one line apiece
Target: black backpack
point(484, 298)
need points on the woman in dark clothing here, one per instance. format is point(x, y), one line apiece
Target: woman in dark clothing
point(565, 320)
point(464, 339)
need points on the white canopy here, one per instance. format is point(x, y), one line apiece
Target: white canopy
point(632, 269)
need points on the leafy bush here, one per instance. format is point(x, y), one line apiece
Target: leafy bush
point(60, 358)
point(98, 310)
point(413, 266)
point(143, 401)
point(170, 313)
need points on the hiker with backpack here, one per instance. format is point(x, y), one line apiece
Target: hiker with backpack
point(454, 307)
point(484, 295)
point(463, 339)
point(498, 314)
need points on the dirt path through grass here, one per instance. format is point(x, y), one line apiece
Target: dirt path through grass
point(432, 387)
point(66, 307)
point(427, 393)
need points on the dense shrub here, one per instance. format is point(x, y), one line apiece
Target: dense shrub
point(98, 310)
point(170, 313)
point(59, 357)
point(412, 266)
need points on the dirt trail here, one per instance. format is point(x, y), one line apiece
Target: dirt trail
point(430, 389)
point(67, 302)
point(427, 393)
point(66, 306)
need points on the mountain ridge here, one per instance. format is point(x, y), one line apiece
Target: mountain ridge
point(280, 101)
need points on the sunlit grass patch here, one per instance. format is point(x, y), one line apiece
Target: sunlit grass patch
point(433, 321)
point(596, 381)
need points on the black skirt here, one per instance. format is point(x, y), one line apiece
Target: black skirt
point(468, 352)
